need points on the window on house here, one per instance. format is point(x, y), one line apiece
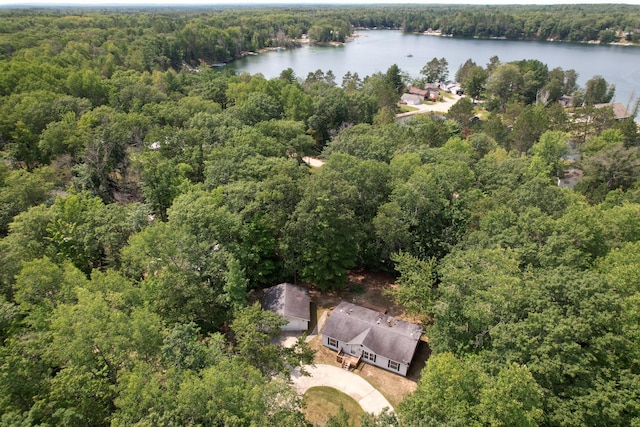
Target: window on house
point(368, 356)
point(394, 365)
point(332, 342)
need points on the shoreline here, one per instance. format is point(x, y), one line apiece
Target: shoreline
point(436, 33)
point(298, 43)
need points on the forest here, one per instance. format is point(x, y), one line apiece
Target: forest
point(143, 203)
point(561, 22)
point(150, 38)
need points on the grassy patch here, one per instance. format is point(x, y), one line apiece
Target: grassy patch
point(324, 402)
point(406, 108)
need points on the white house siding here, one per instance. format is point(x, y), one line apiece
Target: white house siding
point(383, 362)
point(295, 325)
point(356, 329)
point(357, 349)
point(325, 342)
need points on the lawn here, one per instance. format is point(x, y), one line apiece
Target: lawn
point(406, 108)
point(320, 403)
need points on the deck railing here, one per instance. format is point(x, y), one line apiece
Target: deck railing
point(347, 361)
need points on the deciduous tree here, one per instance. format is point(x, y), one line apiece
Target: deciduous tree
point(436, 70)
point(598, 91)
point(504, 83)
point(474, 82)
point(320, 239)
point(414, 288)
point(254, 330)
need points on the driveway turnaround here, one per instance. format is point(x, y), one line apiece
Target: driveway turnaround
point(369, 398)
point(436, 107)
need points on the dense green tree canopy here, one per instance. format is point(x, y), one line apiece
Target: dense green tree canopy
point(147, 197)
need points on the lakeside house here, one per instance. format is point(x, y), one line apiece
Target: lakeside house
point(291, 302)
point(620, 112)
point(361, 334)
point(432, 32)
point(429, 93)
point(422, 93)
point(451, 87)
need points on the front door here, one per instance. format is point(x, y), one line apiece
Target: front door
point(356, 350)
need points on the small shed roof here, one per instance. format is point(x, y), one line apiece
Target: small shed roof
point(385, 335)
point(288, 300)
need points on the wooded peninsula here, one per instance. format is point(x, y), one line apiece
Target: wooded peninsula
point(147, 196)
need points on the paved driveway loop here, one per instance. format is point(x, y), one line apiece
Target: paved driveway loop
point(369, 398)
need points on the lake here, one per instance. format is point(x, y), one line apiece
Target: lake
point(376, 50)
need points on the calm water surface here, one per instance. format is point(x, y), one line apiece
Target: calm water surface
point(376, 50)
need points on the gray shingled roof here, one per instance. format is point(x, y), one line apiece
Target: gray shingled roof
point(287, 300)
point(384, 335)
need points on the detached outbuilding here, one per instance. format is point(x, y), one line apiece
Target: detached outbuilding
point(411, 99)
point(291, 302)
point(372, 337)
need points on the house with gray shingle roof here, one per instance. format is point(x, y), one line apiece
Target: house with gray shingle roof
point(291, 302)
point(372, 336)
